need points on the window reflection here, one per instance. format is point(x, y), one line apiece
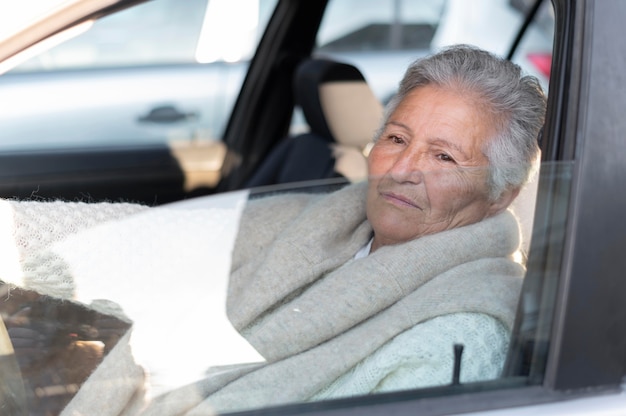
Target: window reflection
point(169, 288)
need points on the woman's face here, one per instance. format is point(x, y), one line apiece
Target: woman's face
point(427, 172)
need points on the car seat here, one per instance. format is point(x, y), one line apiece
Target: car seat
point(343, 115)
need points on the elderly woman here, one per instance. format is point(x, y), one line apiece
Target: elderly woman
point(369, 288)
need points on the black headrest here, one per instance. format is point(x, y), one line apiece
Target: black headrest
point(310, 75)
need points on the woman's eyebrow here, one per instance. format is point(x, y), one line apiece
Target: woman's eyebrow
point(399, 124)
point(436, 141)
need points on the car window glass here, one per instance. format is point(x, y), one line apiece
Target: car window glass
point(362, 33)
point(156, 33)
point(14, 15)
point(534, 52)
point(151, 74)
point(379, 26)
point(80, 279)
point(204, 269)
point(162, 32)
point(382, 37)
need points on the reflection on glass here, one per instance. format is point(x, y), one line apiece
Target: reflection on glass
point(154, 33)
point(140, 298)
point(228, 32)
point(406, 280)
point(44, 46)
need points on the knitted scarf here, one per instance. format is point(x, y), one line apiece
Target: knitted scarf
point(313, 312)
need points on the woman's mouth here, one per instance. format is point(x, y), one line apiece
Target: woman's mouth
point(399, 200)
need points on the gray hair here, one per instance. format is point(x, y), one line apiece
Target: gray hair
point(516, 103)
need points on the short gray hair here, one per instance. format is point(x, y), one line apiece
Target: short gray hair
point(516, 103)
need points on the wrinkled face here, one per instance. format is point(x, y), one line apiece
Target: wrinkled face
point(427, 172)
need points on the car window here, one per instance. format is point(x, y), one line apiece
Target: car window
point(14, 16)
point(379, 37)
point(153, 74)
point(216, 325)
point(534, 52)
point(158, 32)
point(382, 37)
point(186, 306)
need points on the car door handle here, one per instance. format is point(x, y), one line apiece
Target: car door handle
point(167, 114)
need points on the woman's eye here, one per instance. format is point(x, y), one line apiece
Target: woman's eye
point(445, 157)
point(396, 139)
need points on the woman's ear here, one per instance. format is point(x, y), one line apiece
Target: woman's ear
point(503, 202)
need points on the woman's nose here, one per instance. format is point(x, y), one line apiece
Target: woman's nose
point(408, 167)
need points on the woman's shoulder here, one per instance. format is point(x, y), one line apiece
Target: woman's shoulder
point(480, 334)
point(423, 356)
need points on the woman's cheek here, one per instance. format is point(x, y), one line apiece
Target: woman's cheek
point(377, 162)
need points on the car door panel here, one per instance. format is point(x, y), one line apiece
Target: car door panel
point(84, 115)
point(138, 174)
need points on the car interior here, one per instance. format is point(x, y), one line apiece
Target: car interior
point(528, 348)
point(342, 114)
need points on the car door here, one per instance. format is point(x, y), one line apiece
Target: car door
point(568, 351)
point(131, 107)
point(569, 342)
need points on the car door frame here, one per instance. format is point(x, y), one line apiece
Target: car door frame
point(589, 288)
point(262, 112)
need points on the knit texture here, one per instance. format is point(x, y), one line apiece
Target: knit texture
point(423, 357)
point(151, 266)
point(29, 228)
